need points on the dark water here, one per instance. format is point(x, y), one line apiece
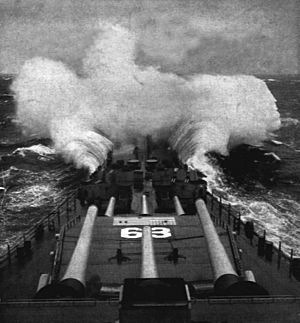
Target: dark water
point(36, 179)
point(274, 206)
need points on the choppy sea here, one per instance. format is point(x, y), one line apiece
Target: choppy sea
point(33, 179)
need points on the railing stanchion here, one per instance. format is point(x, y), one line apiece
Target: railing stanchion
point(58, 217)
point(49, 219)
point(291, 261)
point(8, 253)
point(220, 211)
point(67, 208)
point(279, 255)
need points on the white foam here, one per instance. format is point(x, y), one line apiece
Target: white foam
point(118, 101)
point(287, 122)
point(276, 142)
point(273, 155)
point(38, 149)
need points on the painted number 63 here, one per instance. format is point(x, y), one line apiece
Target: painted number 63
point(135, 233)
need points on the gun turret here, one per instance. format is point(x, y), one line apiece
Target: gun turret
point(73, 283)
point(226, 280)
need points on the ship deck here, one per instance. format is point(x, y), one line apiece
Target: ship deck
point(187, 236)
point(116, 254)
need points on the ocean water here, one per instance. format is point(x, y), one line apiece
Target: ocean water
point(33, 179)
point(36, 178)
point(274, 206)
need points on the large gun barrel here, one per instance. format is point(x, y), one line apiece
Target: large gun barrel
point(74, 276)
point(145, 208)
point(226, 280)
point(178, 208)
point(73, 282)
point(110, 207)
point(149, 269)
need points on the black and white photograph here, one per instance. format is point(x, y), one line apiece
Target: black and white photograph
point(149, 161)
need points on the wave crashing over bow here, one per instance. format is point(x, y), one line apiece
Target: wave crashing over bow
point(118, 101)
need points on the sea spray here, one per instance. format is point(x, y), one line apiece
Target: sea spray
point(52, 103)
point(229, 111)
point(118, 101)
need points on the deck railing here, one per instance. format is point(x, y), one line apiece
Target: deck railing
point(60, 245)
point(223, 214)
point(94, 302)
point(59, 216)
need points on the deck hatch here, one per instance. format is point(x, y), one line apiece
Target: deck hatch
point(154, 292)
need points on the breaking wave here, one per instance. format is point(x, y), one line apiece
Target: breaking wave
point(117, 101)
point(37, 149)
point(287, 122)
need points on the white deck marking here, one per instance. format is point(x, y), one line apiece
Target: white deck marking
point(142, 221)
point(136, 233)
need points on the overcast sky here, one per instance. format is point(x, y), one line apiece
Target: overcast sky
point(181, 36)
